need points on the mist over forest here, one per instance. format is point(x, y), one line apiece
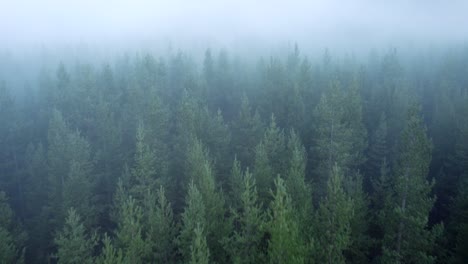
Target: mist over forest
point(233, 131)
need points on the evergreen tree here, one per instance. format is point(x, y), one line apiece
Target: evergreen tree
point(358, 249)
point(247, 131)
point(143, 174)
point(300, 191)
point(332, 142)
point(11, 238)
point(193, 216)
point(407, 237)
point(269, 160)
point(334, 218)
point(235, 184)
point(378, 151)
point(460, 226)
point(109, 254)
point(245, 243)
point(286, 244)
point(200, 254)
point(129, 233)
point(73, 243)
point(201, 172)
point(161, 227)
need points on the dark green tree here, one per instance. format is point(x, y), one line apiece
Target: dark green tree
point(286, 244)
point(333, 221)
point(74, 245)
point(407, 236)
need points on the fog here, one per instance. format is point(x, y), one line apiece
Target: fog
point(37, 34)
point(332, 23)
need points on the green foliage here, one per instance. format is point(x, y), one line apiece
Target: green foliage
point(244, 245)
point(286, 244)
point(69, 170)
point(129, 233)
point(74, 245)
point(202, 175)
point(268, 159)
point(161, 228)
point(334, 218)
point(170, 126)
point(109, 254)
point(338, 137)
point(407, 237)
point(200, 254)
point(193, 216)
point(143, 174)
point(10, 237)
point(247, 132)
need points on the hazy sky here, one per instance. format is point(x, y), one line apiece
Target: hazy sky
point(49, 22)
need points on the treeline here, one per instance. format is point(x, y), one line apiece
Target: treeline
point(290, 160)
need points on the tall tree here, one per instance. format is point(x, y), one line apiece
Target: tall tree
point(73, 243)
point(200, 253)
point(129, 233)
point(161, 231)
point(407, 237)
point(11, 238)
point(245, 243)
point(299, 189)
point(333, 221)
point(247, 132)
point(286, 244)
point(269, 160)
point(193, 216)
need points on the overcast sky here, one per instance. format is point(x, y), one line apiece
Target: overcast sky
point(51, 22)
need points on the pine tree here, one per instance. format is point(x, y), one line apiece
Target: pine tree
point(73, 243)
point(407, 238)
point(143, 174)
point(358, 249)
point(235, 184)
point(269, 159)
point(109, 254)
point(340, 136)
point(247, 130)
point(262, 172)
point(332, 142)
point(245, 243)
point(129, 231)
point(460, 225)
point(200, 254)
point(378, 152)
point(11, 238)
point(286, 244)
point(193, 216)
point(161, 227)
point(334, 218)
point(300, 191)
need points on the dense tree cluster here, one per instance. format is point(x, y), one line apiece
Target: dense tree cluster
point(287, 160)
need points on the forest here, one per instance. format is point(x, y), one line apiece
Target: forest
point(180, 157)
